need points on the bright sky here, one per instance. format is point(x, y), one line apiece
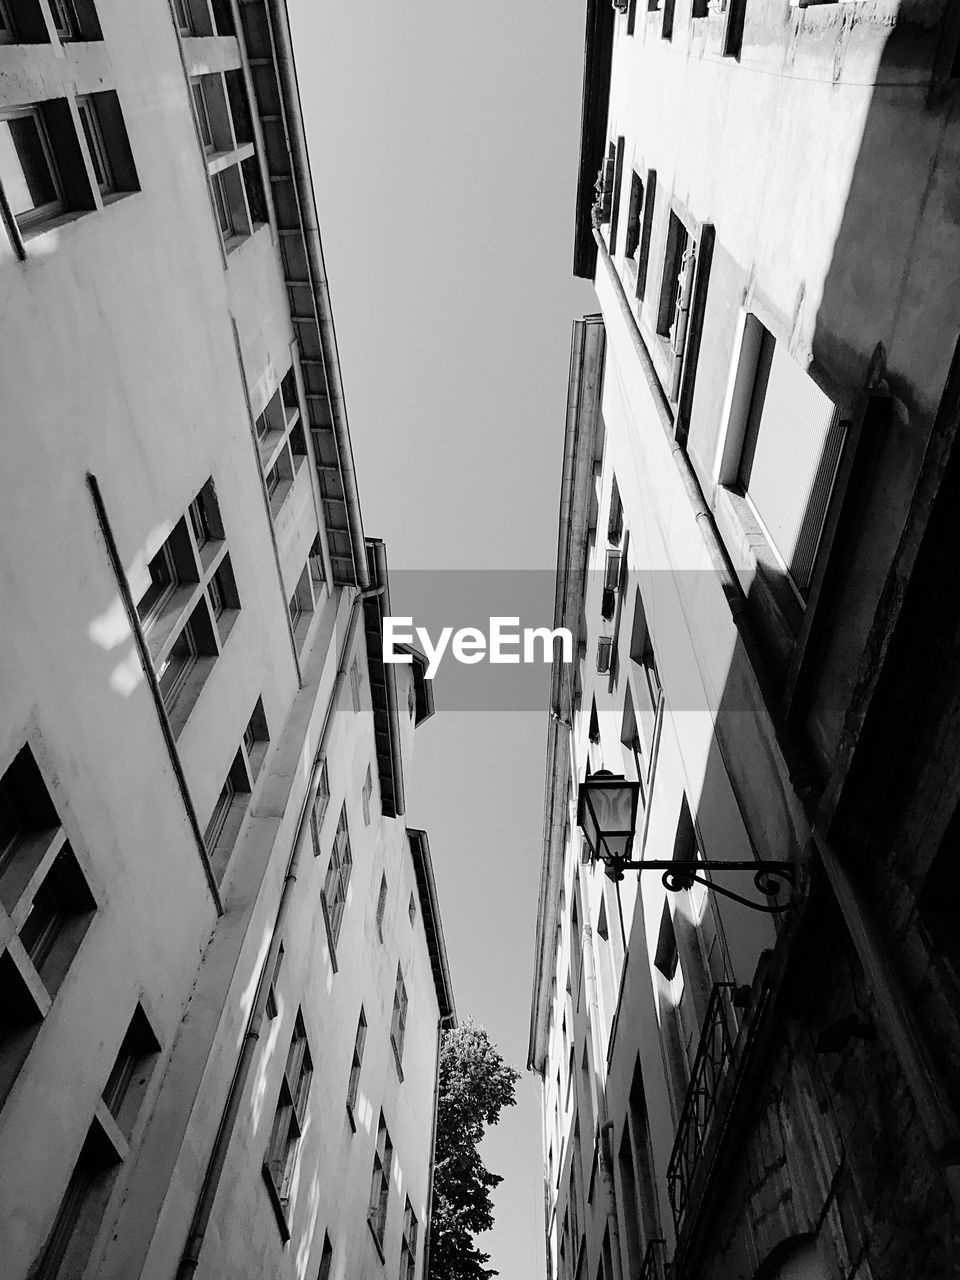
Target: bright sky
point(444, 141)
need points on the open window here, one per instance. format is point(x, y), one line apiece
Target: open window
point(780, 451)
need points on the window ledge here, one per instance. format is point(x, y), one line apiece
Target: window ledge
point(376, 1238)
point(279, 1206)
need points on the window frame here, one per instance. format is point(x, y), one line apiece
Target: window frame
point(50, 209)
point(336, 884)
point(92, 130)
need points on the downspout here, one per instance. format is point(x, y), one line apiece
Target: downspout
point(190, 1257)
point(604, 1123)
point(300, 165)
point(934, 1109)
point(428, 1230)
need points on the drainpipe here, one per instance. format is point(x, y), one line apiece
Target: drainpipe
point(446, 1020)
point(190, 1257)
point(282, 42)
point(934, 1109)
point(604, 1123)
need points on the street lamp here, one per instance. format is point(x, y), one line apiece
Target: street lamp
point(607, 806)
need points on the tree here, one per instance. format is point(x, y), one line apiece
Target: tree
point(475, 1083)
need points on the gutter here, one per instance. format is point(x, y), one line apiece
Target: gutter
point(190, 1258)
point(300, 164)
point(378, 552)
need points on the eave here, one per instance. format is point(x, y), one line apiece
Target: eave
point(598, 57)
point(267, 39)
point(383, 685)
point(430, 913)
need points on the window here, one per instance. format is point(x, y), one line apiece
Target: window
point(223, 827)
point(8, 30)
point(412, 909)
point(326, 1259)
point(81, 1209)
point(128, 1080)
point(380, 1184)
point(181, 9)
point(365, 795)
point(85, 1200)
point(175, 668)
point(408, 1244)
point(649, 196)
point(381, 905)
point(782, 449)
point(353, 1084)
point(615, 520)
point(634, 211)
point(678, 241)
point(398, 1023)
point(290, 1117)
point(184, 633)
point(320, 802)
point(28, 170)
point(315, 561)
point(647, 677)
point(204, 514)
point(604, 655)
point(617, 183)
point(225, 130)
point(273, 1005)
point(54, 928)
point(300, 607)
point(42, 887)
point(97, 148)
point(256, 739)
point(355, 684)
point(666, 31)
point(337, 879)
point(65, 20)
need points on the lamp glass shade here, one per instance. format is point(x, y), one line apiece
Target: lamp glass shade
point(608, 814)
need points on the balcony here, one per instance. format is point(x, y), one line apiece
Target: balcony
point(717, 1039)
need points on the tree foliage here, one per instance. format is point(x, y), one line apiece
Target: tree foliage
point(475, 1084)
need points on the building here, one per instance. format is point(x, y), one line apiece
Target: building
point(222, 969)
point(757, 518)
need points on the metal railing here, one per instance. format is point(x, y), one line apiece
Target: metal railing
point(717, 1038)
point(654, 1261)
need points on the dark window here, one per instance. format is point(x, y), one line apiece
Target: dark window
point(408, 1244)
point(646, 231)
point(380, 1183)
point(290, 1117)
point(398, 1022)
point(353, 1084)
point(338, 878)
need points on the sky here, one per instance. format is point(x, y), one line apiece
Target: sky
point(444, 140)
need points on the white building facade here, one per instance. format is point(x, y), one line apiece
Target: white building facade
point(222, 968)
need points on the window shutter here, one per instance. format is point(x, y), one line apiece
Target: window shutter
point(790, 463)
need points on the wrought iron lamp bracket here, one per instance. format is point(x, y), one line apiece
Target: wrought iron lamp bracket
point(769, 878)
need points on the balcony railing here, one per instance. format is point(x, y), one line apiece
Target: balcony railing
point(654, 1261)
point(717, 1039)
